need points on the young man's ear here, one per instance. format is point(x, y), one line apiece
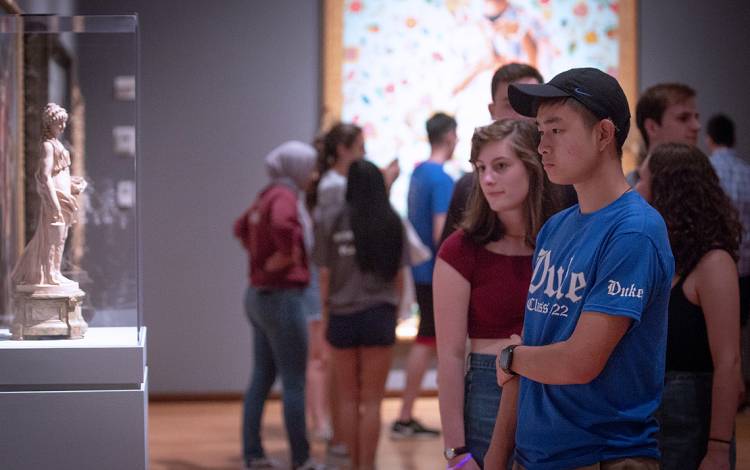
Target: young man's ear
point(606, 133)
point(491, 109)
point(651, 126)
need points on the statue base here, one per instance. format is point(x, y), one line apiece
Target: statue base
point(48, 312)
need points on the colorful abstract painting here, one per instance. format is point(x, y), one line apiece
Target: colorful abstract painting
point(403, 60)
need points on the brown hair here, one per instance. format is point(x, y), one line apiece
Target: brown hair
point(438, 126)
point(655, 100)
point(513, 72)
point(700, 217)
point(480, 222)
point(326, 144)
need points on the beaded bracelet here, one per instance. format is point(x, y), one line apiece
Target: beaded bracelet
point(461, 463)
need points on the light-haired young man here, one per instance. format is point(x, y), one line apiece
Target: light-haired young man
point(591, 363)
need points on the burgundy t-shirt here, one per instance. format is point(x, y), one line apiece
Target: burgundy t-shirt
point(499, 285)
point(272, 224)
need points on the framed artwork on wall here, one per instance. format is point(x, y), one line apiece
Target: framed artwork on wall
point(388, 66)
point(12, 222)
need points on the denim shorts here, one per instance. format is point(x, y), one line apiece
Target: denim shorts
point(685, 420)
point(481, 402)
point(374, 326)
point(311, 296)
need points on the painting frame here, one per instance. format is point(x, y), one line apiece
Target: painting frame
point(12, 148)
point(333, 60)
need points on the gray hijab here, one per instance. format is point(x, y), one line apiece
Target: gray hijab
point(292, 160)
point(292, 163)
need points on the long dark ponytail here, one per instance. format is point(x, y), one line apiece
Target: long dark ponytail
point(378, 232)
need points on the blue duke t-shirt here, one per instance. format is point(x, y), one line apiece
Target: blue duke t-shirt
point(615, 261)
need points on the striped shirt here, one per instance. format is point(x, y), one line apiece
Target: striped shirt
point(734, 176)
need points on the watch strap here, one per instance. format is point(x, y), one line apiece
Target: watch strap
point(451, 452)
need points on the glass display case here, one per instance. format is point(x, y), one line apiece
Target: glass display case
point(71, 335)
point(68, 197)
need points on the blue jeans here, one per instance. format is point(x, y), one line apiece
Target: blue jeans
point(685, 419)
point(481, 402)
point(279, 345)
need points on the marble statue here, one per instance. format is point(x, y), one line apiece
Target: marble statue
point(47, 304)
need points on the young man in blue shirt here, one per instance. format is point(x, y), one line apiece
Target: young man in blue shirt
point(430, 192)
point(591, 362)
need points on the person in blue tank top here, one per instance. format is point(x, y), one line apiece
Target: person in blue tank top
point(591, 361)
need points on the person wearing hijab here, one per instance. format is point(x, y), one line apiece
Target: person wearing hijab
point(276, 233)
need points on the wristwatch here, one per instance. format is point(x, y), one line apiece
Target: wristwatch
point(506, 359)
point(450, 452)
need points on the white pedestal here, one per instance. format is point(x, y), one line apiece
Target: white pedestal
point(75, 404)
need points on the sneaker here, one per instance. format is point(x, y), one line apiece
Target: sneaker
point(312, 465)
point(325, 433)
point(338, 450)
point(412, 429)
point(261, 463)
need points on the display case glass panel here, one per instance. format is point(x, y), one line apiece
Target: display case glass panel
point(68, 197)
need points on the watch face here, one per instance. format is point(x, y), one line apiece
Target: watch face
point(450, 452)
point(505, 359)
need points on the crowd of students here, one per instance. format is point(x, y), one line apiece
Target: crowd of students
point(581, 318)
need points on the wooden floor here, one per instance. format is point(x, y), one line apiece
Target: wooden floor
point(206, 435)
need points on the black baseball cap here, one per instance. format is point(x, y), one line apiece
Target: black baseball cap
point(599, 92)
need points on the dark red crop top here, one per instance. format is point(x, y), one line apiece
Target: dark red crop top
point(499, 286)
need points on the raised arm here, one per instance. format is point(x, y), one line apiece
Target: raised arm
point(718, 294)
point(529, 46)
point(451, 292)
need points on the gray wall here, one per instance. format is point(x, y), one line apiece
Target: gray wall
point(703, 44)
point(220, 88)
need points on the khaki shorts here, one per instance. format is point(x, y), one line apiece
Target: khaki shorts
point(629, 463)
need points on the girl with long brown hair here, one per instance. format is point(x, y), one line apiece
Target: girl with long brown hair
point(702, 383)
point(481, 279)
